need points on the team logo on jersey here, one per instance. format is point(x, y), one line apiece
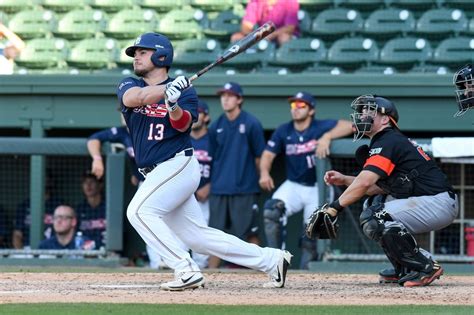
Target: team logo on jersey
point(152, 110)
point(301, 148)
point(242, 128)
point(271, 143)
point(375, 151)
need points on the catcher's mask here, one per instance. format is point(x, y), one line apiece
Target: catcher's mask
point(365, 109)
point(464, 82)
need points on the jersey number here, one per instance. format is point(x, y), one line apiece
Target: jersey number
point(156, 132)
point(311, 161)
point(205, 170)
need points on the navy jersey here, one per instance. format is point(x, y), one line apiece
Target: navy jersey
point(154, 139)
point(92, 222)
point(52, 243)
point(201, 152)
point(120, 135)
point(299, 148)
point(234, 145)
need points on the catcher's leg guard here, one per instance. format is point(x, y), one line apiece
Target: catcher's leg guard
point(403, 249)
point(275, 230)
point(372, 221)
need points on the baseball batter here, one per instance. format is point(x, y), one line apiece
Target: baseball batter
point(159, 111)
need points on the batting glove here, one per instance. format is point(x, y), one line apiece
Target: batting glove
point(181, 82)
point(172, 94)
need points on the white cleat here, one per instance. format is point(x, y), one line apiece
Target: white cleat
point(184, 281)
point(278, 275)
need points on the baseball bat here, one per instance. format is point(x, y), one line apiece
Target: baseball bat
point(240, 46)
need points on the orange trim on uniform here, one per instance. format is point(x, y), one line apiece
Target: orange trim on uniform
point(381, 162)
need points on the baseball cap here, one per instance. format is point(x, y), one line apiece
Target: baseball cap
point(231, 87)
point(304, 97)
point(202, 107)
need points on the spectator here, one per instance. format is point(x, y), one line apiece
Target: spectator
point(300, 140)
point(65, 224)
point(21, 232)
point(283, 13)
point(9, 49)
point(91, 211)
point(236, 143)
point(200, 142)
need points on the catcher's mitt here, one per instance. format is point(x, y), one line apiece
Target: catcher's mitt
point(322, 225)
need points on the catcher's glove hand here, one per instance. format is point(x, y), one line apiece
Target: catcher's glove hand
point(322, 225)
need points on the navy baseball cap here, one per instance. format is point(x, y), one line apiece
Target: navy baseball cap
point(202, 107)
point(304, 97)
point(231, 87)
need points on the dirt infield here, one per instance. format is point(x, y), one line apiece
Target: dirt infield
point(229, 288)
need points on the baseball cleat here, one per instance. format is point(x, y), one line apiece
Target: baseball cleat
point(184, 281)
point(421, 278)
point(278, 275)
point(389, 275)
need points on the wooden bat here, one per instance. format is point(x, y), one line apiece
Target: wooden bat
point(238, 47)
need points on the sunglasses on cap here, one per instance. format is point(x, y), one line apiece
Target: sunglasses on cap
point(298, 104)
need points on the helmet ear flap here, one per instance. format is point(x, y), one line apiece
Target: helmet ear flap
point(166, 61)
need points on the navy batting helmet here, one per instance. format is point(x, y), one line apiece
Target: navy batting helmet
point(160, 43)
point(464, 81)
point(366, 107)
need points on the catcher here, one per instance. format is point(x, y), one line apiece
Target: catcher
point(463, 80)
point(410, 194)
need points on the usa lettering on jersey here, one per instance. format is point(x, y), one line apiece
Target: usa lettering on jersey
point(301, 148)
point(152, 110)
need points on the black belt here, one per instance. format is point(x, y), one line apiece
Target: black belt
point(145, 170)
point(452, 194)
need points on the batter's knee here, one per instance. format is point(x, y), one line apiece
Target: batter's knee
point(372, 221)
point(131, 214)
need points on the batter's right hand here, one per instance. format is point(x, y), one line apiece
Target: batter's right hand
point(181, 82)
point(266, 182)
point(334, 178)
point(97, 168)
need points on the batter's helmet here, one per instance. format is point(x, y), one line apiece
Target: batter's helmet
point(464, 82)
point(366, 107)
point(160, 43)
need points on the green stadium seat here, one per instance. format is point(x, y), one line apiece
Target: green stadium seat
point(334, 23)
point(362, 5)
point(254, 57)
point(112, 5)
point(441, 22)
point(300, 53)
point(213, 5)
point(351, 53)
point(391, 22)
point(471, 27)
point(415, 4)
point(315, 5)
point(455, 51)
point(431, 69)
point(377, 70)
point(80, 24)
point(304, 20)
point(323, 69)
point(122, 59)
point(130, 23)
point(41, 53)
point(62, 6)
point(274, 70)
point(30, 24)
point(195, 53)
point(182, 24)
point(406, 52)
point(460, 4)
point(223, 25)
point(4, 18)
point(162, 6)
point(14, 6)
point(94, 53)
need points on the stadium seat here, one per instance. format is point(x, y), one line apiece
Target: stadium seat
point(300, 53)
point(162, 6)
point(223, 25)
point(455, 51)
point(80, 24)
point(14, 6)
point(315, 5)
point(4, 18)
point(376, 70)
point(471, 27)
point(130, 23)
point(350, 53)
point(182, 24)
point(111, 5)
point(193, 54)
point(431, 69)
point(405, 52)
point(441, 22)
point(333, 23)
point(415, 4)
point(387, 23)
point(213, 5)
point(62, 6)
point(254, 57)
point(460, 4)
point(94, 53)
point(41, 53)
point(33, 24)
point(122, 59)
point(361, 5)
point(322, 69)
point(304, 20)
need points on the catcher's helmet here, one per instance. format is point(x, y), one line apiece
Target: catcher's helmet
point(160, 43)
point(463, 80)
point(366, 107)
